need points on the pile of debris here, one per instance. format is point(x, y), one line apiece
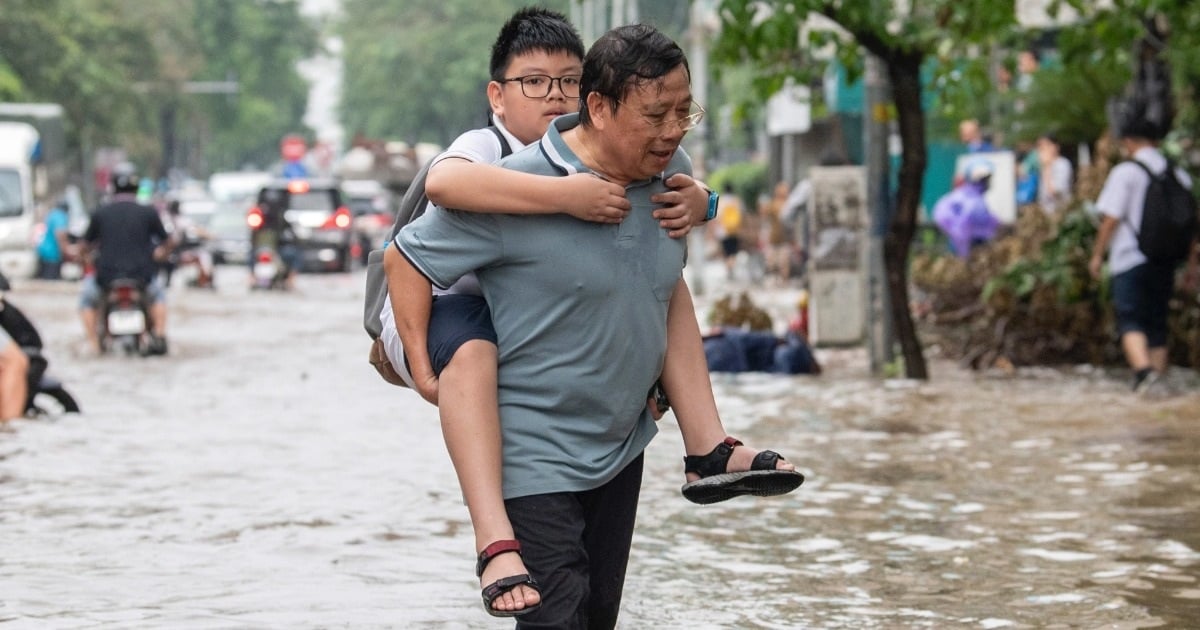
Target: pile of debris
point(1027, 298)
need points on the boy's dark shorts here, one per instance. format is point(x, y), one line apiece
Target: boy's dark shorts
point(1140, 301)
point(455, 320)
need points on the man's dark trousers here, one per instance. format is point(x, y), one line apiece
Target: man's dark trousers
point(576, 545)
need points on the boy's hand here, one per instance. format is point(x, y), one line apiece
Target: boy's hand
point(654, 412)
point(683, 206)
point(591, 198)
point(427, 387)
point(1095, 264)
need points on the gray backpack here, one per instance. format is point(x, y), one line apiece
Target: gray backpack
point(412, 206)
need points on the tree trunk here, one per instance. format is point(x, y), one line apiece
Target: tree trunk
point(904, 71)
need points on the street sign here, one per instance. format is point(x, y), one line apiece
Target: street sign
point(789, 111)
point(292, 148)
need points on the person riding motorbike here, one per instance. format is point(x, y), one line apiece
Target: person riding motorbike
point(21, 354)
point(127, 238)
point(14, 378)
point(189, 238)
point(276, 233)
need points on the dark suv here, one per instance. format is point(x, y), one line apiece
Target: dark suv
point(319, 217)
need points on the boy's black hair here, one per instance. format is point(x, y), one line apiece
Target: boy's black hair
point(533, 29)
point(623, 58)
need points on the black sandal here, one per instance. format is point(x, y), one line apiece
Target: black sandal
point(714, 484)
point(506, 584)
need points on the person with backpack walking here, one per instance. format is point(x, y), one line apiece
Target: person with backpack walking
point(544, 53)
point(1149, 220)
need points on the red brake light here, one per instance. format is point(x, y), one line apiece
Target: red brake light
point(298, 186)
point(254, 218)
point(264, 257)
point(124, 294)
point(338, 220)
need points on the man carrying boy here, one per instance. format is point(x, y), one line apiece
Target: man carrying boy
point(536, 64)
point(580, 312)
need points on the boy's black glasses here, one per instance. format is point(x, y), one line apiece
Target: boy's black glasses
point(539, 85)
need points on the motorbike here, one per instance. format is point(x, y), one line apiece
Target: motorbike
point(46, 394)
point(191, 259)
point(271, 240)
point(270, 271)
point(124, 317)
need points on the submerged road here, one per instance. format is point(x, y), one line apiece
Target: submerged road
point(262, 476)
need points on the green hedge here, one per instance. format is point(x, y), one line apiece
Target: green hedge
point(749, 181)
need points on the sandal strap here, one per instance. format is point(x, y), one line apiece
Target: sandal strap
point(493, 550)
point(715, 462)
point(765, 460)
point(506, 584)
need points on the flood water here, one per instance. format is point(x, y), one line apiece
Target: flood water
point(262, 476)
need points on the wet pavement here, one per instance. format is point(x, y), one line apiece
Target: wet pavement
point(262, 476)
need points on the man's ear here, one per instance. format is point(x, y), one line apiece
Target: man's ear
point(599, 110)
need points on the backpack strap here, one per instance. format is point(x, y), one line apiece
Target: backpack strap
point(412, 206)
point(505, 150)
point(414, 202)
point(1125, 219)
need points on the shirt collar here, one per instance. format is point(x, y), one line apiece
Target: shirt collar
point(561, 156)
point(1146, 152)
point(513, 142)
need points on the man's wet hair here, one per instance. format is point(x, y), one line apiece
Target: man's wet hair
point(533, 29)
point(624, 58)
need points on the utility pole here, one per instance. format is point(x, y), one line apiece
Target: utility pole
point(168, 112)
point(698, 37)
point(875, 133)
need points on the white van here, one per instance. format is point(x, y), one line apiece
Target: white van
point(237, 186)
point(18, 205)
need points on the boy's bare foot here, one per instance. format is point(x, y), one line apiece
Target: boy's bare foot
point(521, 596)
point(508, 589)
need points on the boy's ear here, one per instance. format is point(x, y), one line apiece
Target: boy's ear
point(495, 94)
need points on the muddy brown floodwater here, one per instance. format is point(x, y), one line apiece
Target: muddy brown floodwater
point(262, 476)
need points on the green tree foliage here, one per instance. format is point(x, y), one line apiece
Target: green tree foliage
point(81, 54)
point(1092, 61)
point(117, 65)
point(1103, 42)
point(416, 70)
point(257, 44)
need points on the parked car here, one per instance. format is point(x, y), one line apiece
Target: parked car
point(320, 218)
point(198, 210)
point(371, 207)
point(230, 236)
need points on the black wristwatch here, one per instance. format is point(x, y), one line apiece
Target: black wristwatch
point(713, 198)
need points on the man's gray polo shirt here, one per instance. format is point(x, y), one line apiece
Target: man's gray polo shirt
point(580, 311)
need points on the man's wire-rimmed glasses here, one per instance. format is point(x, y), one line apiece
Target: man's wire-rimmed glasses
point(684, 123)
point(540, 85)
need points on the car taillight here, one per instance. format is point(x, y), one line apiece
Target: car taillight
point(339, 220)
point(254, 218)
